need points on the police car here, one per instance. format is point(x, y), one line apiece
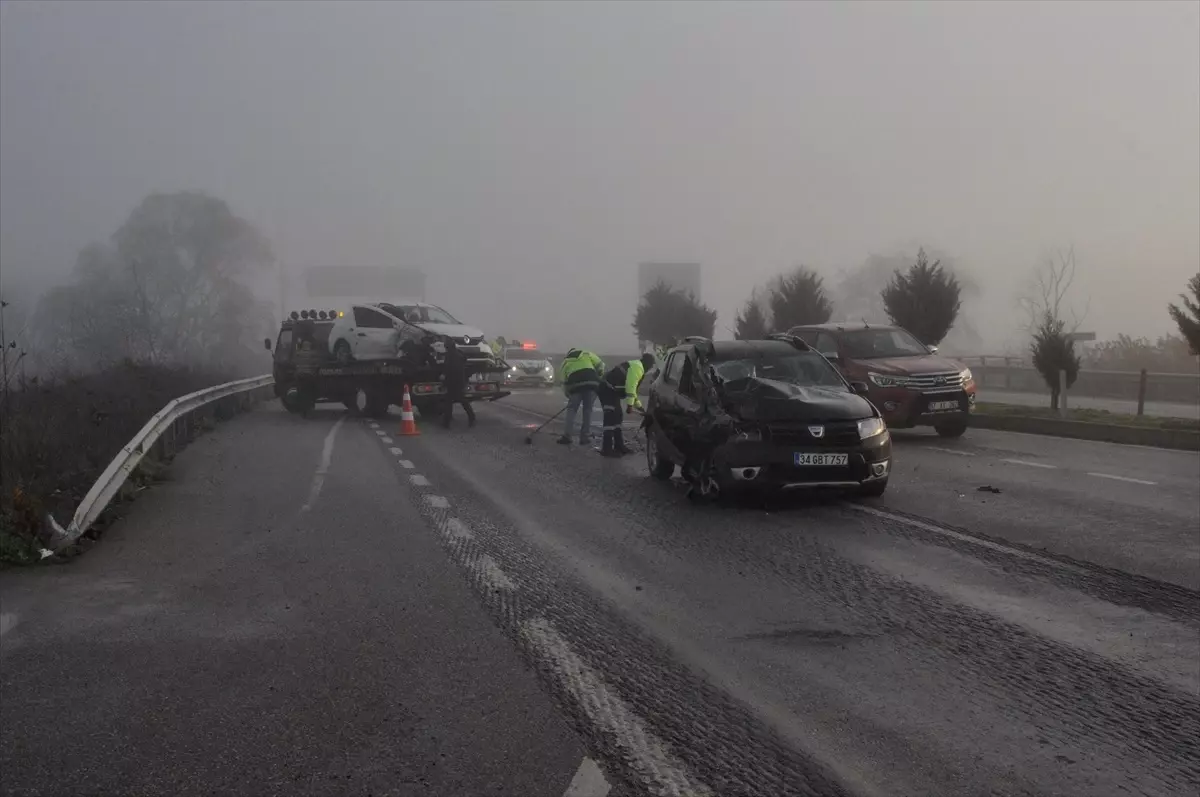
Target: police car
point(527, 366)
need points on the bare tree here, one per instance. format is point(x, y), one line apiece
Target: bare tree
point(1046, 295)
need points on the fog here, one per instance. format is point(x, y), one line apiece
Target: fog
point(527, 156)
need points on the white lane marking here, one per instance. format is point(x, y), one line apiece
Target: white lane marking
point(380, 432)
point(995, 546)
point(589, 781)
point(437, 502)
point(387, 441)
point(1029, 464)
point(418, 480)
point(493, 576)
point(950, 451)
point(1120, 478)
point(407, 464)
point(650, 758)
point(373, 425)
point(456, 528)
point(319, 477)
point(7, 623)
point(395, 451)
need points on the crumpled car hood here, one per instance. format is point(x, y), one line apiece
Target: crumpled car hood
point(759, 399)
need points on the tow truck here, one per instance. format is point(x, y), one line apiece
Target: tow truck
point(372, 386)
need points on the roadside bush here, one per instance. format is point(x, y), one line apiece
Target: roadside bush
point(59, 436)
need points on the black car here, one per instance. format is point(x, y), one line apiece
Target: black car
point(763, 414)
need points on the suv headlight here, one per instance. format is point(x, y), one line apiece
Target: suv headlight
point(883, 380)
point(966, 375)
point(869, 427)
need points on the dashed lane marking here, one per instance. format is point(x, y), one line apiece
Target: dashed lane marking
point(995, 546)
point(7, 623)
point(589, 781)
point(395, 451)
point(1120, 478)
point(407, 464)
point(323, 468)
point(456, 528)
point(373, 425)
point(647, 755)
point(387, 441)
point(951, 451)
point(437, 501)
point(1029, 464)
point(418, 480)
point(381, 433)
point(493, 576)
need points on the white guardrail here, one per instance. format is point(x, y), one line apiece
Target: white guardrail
point(113, 478)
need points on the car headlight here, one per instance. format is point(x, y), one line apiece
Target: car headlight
point(966, 375)
point(548, 369)
point(869, 427)
point(883, 380)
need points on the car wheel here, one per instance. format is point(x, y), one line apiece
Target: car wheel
point(660, 467)
point(873, 489)
point(951, 428)
point(376, 405)
point(342, 353)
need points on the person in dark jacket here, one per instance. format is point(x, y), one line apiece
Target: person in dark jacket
point(621, 384)
point(456, 384)
point(306, 360)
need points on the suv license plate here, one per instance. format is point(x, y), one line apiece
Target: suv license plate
point(942, 406)
point(821, 460)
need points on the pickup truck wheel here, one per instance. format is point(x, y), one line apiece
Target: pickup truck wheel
point(376, 405)
point(951, 428)
point(873, 489)
point(660, 467)
point(342, 353)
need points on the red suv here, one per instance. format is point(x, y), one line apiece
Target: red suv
point(908, 382)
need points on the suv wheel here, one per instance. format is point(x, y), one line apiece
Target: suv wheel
point(660, 467)
point(951, 428)
point(342, 353)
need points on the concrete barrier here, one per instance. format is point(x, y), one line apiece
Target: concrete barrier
point(1179, 439)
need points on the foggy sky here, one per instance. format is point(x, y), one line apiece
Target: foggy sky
point(528, 156)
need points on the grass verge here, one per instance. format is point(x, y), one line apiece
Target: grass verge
point(1090, 416)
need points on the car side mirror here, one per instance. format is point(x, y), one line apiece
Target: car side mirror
point(860, 388)
point(267, 343)
point(932, 349)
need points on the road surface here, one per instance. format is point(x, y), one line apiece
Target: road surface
point(1157, 409)
point(461, 613)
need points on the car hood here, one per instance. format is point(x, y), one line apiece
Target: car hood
point(528, 363)
point(759, 399)
point(905, 366)
point(453, 330)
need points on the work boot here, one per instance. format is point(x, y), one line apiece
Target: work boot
point(565, 440)
point(619, 444)
point(585, 440)
point(607, 449)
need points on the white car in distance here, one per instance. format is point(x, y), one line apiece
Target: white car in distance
point(379, 331)
point(527, 366)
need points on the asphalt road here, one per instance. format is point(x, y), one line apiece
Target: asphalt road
point(938, 641)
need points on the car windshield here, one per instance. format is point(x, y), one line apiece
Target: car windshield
point(436, 315)
point(797, 369)
point(523, 354)
point(866, 344)
point(420, 314)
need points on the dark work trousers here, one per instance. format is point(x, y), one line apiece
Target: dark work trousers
point(610, 403)
point(454, 395)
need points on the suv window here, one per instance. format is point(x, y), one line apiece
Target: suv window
point(672, 368)
point(371, 319)
point(825, 343)
point(864, 344)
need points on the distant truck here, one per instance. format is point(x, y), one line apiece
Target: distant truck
point(372, 386)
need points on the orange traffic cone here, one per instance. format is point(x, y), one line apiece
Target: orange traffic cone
point(408, 425)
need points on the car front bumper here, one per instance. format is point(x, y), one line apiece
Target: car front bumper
point(904, 408)
point(753, 464)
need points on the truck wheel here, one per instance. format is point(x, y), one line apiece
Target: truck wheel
point(342, 353)
point(951, 428)
point(872, 489)
point(376, 405)
point(660, 467)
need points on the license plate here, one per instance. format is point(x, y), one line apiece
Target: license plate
point(821, 460)
point(942, 406)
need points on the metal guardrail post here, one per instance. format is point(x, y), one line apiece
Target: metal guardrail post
point(1141, 392)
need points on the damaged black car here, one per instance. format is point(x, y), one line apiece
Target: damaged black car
point(769, 414)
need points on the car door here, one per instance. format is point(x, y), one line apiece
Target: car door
point(662, 391)
point(374, 335)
